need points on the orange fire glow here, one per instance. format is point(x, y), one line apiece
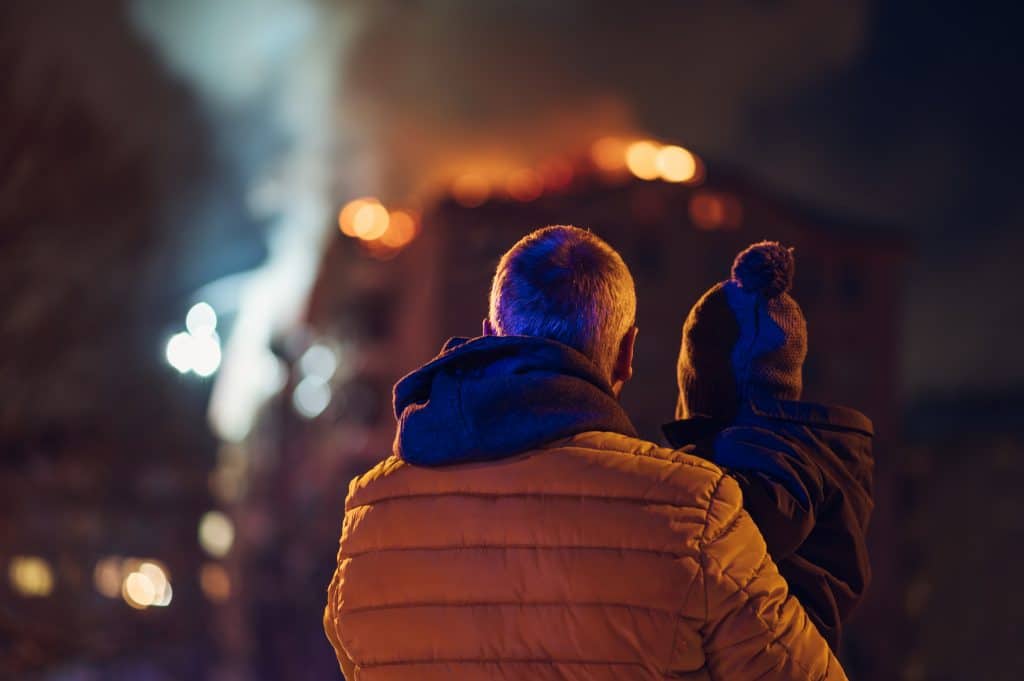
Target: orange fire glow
point(557, 174)
point(609, 154)
point(524, 185)
point(471, 190)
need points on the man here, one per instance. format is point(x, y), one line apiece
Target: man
point(522, 531)
point(804, 468)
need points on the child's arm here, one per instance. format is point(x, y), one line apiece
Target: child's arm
point(782, 488)
point(787, 491)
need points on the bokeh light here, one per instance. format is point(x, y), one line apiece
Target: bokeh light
point(138, 590)
point(311, 396)
point(164, 597)
point(319, 360)
point(201, 320)
point(715, 210)
point(642, 159)
point(107, 576)
point(157, 576)
point(179, 352)
point(206, 355)
point(370, 221)
point(215, 582)
point(609, 154)
point(676, 164)
point(146, 586)
point(198, 349)
point(401, 230)
point(347, 216)
point(216, 533)
point(471, 190)
point(383, 232)
point(30, 576)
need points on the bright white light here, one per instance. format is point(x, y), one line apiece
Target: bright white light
point(180, 352)
point(319, 360)
point(147, 586)
point(201, 320)
point(138, 590)
point(216, 533)
point(156, 575)
point(164, 599)
point(205, 354)
point(311, 396)
point(161, 583)
point(200, 354)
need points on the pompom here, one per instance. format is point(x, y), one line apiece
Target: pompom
point(766, 268)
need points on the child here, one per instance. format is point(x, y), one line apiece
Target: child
point(805, 469)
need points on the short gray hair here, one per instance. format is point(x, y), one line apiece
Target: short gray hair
point(566, 284)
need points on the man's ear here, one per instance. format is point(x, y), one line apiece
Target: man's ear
point(488, 329)
point(622, 370)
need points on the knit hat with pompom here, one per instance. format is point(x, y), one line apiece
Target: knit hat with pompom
point(745, 338)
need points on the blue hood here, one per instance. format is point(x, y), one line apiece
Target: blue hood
point(496, 396)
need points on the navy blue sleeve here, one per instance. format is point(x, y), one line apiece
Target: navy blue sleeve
point(783, 487)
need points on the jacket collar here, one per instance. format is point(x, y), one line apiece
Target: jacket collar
point(817, 416)
point(821, 416)
point(497, 396)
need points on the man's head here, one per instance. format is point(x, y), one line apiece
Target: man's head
point(566, 284)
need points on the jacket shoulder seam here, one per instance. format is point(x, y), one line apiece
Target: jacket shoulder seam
point(649, 452)
point(707, 512)
point(726, 529)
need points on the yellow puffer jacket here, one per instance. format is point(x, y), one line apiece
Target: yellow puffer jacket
point(597, 556)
